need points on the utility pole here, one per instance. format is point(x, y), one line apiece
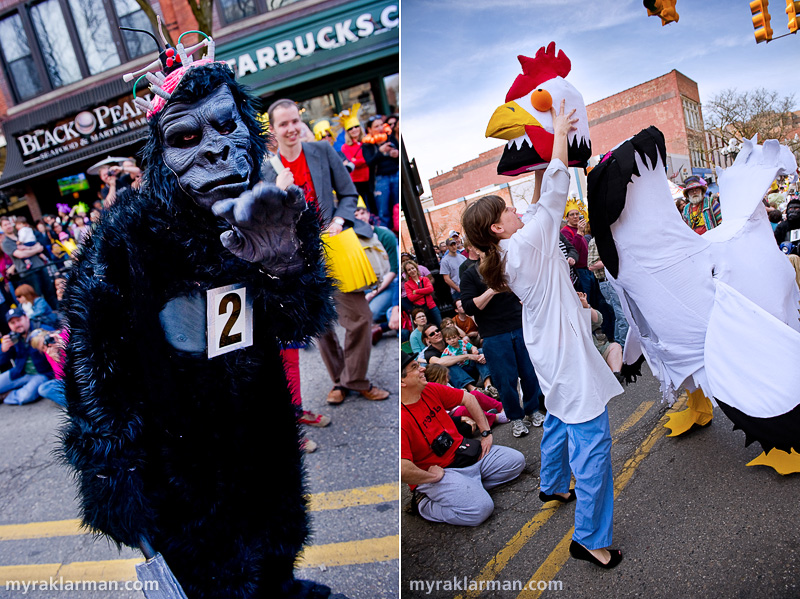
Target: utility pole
point(410, 192)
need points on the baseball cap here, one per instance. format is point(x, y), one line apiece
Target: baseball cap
point(14, 313)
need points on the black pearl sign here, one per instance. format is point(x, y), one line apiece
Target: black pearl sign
point(79, 130)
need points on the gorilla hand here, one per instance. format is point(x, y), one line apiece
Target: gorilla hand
point(264, 221)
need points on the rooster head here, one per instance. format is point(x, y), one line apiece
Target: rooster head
point(525, 120)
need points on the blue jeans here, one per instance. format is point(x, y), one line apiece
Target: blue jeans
point(24, 390)
point(384, 300)
point(472, 371)
point(583, 450)
point(434, 315)
point(386, 196)
point(621, 323)
point(511, 363)
point(54, 391)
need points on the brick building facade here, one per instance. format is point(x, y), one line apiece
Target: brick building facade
point(671, 103)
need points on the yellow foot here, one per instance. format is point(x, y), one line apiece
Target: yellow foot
point(700, 412)
point(682, 422)
point(783, 463)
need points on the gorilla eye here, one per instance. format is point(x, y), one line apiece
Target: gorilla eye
point(227, 127)
point(183, 139)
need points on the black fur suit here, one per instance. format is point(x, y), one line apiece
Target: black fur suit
point(199, 456)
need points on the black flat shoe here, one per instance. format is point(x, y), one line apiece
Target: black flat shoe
point(578, 551)
point(554, 497)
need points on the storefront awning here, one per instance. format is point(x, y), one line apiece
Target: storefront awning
point(80, 128)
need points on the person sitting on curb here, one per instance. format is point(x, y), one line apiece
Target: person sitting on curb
point(436, 373)
point(460, 377)
point(448, 475)
point(29, 367)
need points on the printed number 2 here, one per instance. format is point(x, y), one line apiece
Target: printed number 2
point(231, 299)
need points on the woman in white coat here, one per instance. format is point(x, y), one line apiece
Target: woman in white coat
point(523, 255)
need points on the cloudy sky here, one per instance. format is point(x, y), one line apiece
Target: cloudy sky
point(458, 59)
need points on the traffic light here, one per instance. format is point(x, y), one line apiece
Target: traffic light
point(761, 20)
point(793, 9)
point(665, 9)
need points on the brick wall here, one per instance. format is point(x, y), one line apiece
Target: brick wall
point(656, 102)
point(467, 178)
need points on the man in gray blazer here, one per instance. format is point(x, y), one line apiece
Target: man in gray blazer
point(319, 171)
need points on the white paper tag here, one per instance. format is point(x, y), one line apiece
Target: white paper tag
point(794, 235)
point(229, 319)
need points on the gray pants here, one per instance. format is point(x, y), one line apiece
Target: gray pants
point(460, 497)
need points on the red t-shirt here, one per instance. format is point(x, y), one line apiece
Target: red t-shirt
point(302, 177)
point(423, 421)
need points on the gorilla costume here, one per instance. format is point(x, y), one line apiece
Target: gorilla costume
point(197, 456)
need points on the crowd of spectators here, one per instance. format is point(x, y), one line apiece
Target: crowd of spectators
point(33, 268)
point(476, 346)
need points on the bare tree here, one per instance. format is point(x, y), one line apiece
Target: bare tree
point(201, 9)
point(741, 115)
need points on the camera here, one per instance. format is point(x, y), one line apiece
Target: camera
point(442, 443)
point(15, 337)
point(50, 340)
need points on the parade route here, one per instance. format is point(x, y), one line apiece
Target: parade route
point(353, 510)
point(690, 518)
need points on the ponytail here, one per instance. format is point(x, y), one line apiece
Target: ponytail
point(493, 269)
point(476, 222)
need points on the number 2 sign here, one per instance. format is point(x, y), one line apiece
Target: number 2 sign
point(230, 319)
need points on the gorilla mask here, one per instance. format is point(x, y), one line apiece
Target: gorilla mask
point(207, 147)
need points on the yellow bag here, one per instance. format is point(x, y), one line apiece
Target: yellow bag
point(347, 262)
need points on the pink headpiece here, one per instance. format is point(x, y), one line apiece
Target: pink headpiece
point(166, 73)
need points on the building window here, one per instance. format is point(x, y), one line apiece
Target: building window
point(18, 58)
point(131, 15)
point(691, 113)
point(53, 43)
point(696, 155)
point(94, 31)
point(236, 10)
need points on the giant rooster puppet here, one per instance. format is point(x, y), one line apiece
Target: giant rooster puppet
point(711, 313)
point(525, 120)
point(182, 434)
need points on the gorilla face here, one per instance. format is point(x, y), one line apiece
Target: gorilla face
point(206, 145)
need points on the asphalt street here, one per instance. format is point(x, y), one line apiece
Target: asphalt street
point(352, 481)
point(691, 519)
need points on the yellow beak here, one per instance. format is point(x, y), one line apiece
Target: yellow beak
point(509, 121)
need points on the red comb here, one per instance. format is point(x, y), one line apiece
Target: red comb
point(545, 65)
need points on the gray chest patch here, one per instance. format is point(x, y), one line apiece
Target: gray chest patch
point(183, 320)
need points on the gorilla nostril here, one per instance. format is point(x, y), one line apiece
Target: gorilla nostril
point(225, 152)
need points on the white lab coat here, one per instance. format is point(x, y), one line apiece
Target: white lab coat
point(576, 381)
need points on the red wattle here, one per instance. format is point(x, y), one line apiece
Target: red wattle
point(542, 141)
